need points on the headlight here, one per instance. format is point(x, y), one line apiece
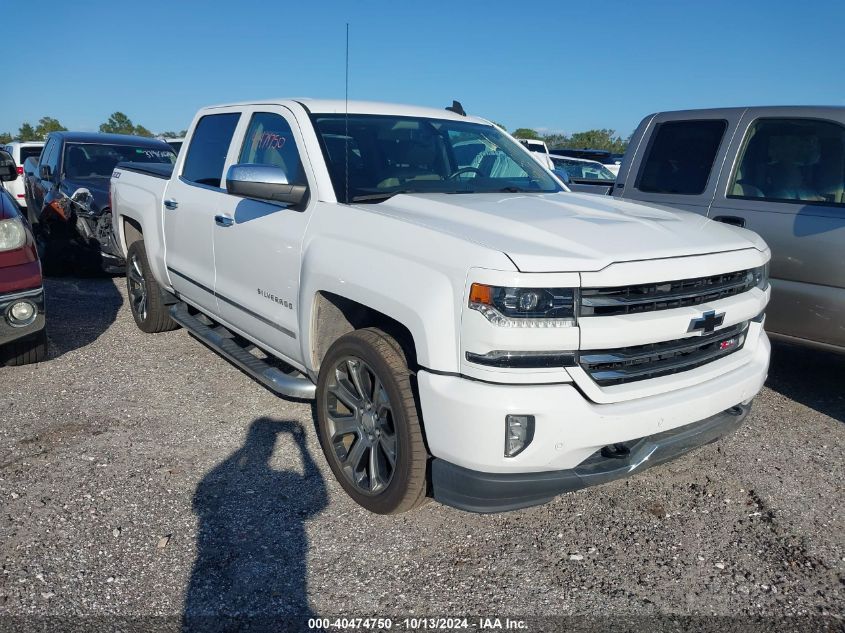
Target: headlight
point(761, 276)
point(12, 234)
point(524, 307)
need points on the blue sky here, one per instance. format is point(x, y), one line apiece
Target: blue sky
point(558, 66)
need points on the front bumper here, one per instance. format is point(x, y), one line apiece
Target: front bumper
point(465, 419)
point(9, 332)
point(500, 492)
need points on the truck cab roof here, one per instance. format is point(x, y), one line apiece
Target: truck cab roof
point(339, 106)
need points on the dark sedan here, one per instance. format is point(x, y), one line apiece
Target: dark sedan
point(67, 195)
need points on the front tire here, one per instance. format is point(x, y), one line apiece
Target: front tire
point(369, 424)
point(26, 351)
point(145, 296)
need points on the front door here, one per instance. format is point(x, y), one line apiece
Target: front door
point(191, 203)
point(258, 253)
point(788, 185)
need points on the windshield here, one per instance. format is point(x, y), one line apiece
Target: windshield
point(583, 170)
point(88, 160)
point(384, 155)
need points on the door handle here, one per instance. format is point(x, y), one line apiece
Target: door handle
point(171, 204)
point(223, 220)
point(731, 219)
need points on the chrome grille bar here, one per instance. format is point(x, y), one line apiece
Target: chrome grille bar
point(664, 295)
point(641, 362)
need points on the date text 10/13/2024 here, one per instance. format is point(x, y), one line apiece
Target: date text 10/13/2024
point(417, 624)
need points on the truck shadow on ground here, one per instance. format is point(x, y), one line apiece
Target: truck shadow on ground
point(250, 570)
point(808, 376)
point(79, 310)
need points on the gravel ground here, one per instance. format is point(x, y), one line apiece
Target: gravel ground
point(143, 475)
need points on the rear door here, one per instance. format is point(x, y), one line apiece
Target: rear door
point(678, 162)
point(191, 202)
point(786, 181)
point(258, 250)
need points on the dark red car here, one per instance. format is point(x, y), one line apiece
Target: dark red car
point(23, 335)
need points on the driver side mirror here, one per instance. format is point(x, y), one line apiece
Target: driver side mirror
point(264, 182)
point(8, 168)
point(46, 173)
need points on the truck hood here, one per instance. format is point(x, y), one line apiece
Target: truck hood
point(97, 185)
point(567, 232)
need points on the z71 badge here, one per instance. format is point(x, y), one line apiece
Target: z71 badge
point(272, 297)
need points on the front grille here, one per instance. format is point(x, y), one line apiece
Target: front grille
point(664, 295)
point(641, 362)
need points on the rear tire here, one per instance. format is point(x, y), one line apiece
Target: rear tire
point(145, 295)
point(26, 351)
point(369, 425)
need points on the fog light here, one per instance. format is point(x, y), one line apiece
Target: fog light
point(22, 313)
point(519, 431)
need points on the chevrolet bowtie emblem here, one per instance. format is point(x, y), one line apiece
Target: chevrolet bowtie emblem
point(707, 323)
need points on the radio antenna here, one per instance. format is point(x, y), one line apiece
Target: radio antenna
point(346, 117)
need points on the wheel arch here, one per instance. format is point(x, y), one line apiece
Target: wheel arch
point(333, 315)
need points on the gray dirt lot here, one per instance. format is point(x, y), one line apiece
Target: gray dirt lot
point(143, 474)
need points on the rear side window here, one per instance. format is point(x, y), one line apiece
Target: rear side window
point(269, 141)
point(208, 148)
point(680, 157)
point(792, 160)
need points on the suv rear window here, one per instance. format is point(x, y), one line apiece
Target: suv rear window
point(208, 148)
point(680, 157)
point(28, 152)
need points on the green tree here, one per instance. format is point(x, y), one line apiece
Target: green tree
point(27, 133)
point(598, 139)
point(5, 137)
point(46, 125)
point(181, 134)
point(140, 130)
point(556, 140)
point(526, 132)
point(118, 123)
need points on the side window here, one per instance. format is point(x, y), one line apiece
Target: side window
point(680, 157)
point(208, 148)
point(51, 155)
point(792, 160)
point(269, 141)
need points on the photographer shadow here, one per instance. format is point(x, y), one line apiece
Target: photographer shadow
point(250, 571)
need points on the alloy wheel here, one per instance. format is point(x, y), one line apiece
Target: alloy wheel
point(361, 427)
point(137, 287)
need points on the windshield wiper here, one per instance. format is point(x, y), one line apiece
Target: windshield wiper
point(373, 197)
point(517, 190)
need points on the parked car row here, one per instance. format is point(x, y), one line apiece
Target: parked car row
point(67, 196)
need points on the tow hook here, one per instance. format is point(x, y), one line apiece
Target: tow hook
point(615, 451)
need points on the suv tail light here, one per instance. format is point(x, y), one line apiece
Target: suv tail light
point(20, 170)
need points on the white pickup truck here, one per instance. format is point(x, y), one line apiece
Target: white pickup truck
point(469, 328)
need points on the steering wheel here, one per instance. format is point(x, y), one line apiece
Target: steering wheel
point(464, 170)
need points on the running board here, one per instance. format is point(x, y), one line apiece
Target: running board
point(263, 372)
